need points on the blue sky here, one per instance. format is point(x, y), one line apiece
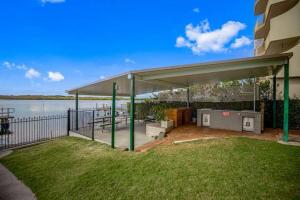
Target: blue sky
point(49, 46)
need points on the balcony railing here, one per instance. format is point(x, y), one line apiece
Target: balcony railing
point(259, 46)
point(258, 43)
point(260, 20)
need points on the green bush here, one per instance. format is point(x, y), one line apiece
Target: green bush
point(155, 109)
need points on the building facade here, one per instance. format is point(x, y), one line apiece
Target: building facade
point(277, 30)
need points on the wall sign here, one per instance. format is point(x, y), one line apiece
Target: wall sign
point(225, 114)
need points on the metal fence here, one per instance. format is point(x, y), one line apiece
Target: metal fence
point(17, 132)
point(82, 122)
point(88, 121)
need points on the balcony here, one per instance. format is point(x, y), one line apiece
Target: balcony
point(259, 46)
point(280, 46)
point(274, 9)
point(260, 22)
point(285, 32)
point(260, 6)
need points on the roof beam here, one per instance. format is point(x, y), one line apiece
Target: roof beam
point(162, 83)
point(188, 71)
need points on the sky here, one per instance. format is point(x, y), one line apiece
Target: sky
point(50, 46)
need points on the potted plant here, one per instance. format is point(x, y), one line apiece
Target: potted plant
point(159, 115)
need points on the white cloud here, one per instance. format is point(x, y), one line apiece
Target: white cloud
point(102, 77)
point(128, 60)
point(32, 73)
point(182, 42)
point(201, 39)
point(52, 1)
point(55, 76)
point(11, 65)
point(8, 65)
point(21, 67)
point(196, 10)
point(240, 42)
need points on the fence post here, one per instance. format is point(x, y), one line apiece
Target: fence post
point(93, 124)
point(113, 116)
point(76, 108)
point(68, 122)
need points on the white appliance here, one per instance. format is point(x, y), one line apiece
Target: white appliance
point(248, 124)
point(206, 120)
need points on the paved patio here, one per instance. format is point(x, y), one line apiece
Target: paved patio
point(122, 136)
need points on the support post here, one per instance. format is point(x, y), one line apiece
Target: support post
point(274, 102)
point(76, 109)
point(188, 97)
point(286, 104)
point(113, 115)
point(132, 108)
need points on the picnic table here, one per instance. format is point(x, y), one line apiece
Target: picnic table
point(105, 121)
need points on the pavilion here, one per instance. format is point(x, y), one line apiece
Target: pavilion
point(139, 82)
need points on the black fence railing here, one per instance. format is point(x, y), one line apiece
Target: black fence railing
point(17, 132)
point(82, 122)
point(89, 121)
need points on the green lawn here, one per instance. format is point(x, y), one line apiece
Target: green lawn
point(237, 168)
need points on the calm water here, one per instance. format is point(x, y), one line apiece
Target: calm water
point(29, 108)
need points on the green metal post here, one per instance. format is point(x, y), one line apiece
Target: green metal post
point(76, 109)
point(132, 88)
point(274, 102)
point(113, 116)
point(286, 104)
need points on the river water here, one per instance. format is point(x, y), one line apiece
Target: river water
point(30, 108)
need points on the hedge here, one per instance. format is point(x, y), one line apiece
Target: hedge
point(151, 108)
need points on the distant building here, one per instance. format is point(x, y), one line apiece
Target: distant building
point(278, 31)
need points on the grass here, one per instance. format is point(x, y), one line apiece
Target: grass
point(236, 168)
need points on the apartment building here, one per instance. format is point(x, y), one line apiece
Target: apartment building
point(277, 30)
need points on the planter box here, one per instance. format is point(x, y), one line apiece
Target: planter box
point(155, 130)
point(166, 124)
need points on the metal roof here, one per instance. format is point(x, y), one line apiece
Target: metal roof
point(181, 76)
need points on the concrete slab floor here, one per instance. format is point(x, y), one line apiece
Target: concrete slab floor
point(122, 137)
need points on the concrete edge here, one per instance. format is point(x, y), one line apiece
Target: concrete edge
point(73, 134)
point(5, 153)
point(196, 139)
point(12, 188)
point(32, 144)
point(289, 143)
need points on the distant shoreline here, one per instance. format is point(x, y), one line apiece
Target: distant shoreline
point(55, 97)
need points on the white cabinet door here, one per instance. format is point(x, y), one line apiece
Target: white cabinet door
point(248, 124)
point(206, 120)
